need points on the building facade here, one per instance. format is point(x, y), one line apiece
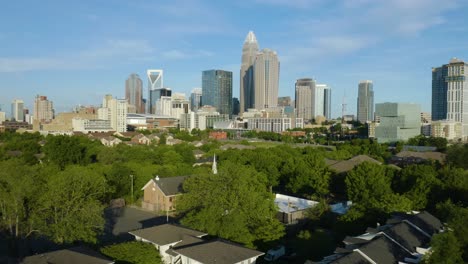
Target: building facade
point(450, 93)
point(17, 110)
point(134, 94)
point(43, 109)
point(249, 52)
point(217, 90)
point(450, 130)
point(305, 97)
point(196, 99)
point(365, 102)
point(266, 79)
point(114, 110)
point(398, 121)
point(155, 82)
point(327, 102)
point(284, 101)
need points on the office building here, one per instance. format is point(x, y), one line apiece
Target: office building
point(304, 98)
point(195, 99)
point(17, 110)
point(155, 82)
point(134, 94)
point(450, 93)
point(450, 130)
point(43, 109)
point(365, 102)
point(235, 106)
point(217, 90)
point(249, 53)
point(398, 121)
point(327, 102)
point(114, 110)
point(266, 79)
point(284, 101)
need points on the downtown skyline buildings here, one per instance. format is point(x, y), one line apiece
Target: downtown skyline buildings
point(365, 101)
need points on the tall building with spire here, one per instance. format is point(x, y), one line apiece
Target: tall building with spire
point(134, 94)
point(249, 53)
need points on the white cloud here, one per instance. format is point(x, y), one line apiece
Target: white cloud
point(94, 57)
point(175, 54)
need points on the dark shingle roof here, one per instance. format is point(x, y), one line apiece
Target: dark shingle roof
point(422, 155)
point(383, 250)
point(218, 252)
point(347, 165)
point(354, 258)
point(77, 255)
point(166, 234)
point(427, 222)
point(186, 241)
point(171, 185)
point(408, 236)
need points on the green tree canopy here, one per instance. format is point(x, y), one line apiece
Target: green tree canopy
point(234, 204)
point(132, 253)
point(70, 208)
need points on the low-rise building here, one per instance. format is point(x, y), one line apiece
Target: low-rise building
point(67, 256)
point(292, 209)
point(160, 194)
point(450, 130)
point(398, 121)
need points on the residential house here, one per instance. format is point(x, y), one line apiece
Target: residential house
point(74, 255)
point(141, 139)
point(110, 141)
point(405, 238)
point(154, 138)
point(292, 209)
point(198, 153)
point(197, 143)
point(160, 194)
point(180, 245)
point(164, 237)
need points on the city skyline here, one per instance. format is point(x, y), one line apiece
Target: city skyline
point(97, 50)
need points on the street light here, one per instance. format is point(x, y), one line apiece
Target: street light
point(131, 177)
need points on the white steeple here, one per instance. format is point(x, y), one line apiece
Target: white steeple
point(214, 168)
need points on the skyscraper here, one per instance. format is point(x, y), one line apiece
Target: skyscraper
point(266, 79)
point(196, 99)
point(284, 101)
point(17, 110)
point(134, 93)
point(365, 102)
point(155, 81)
point(43, 109)
point(327, 102)
point(249, 52)
point(305, 97)
point(450, 93)
point(114, 110)
point(217, 90)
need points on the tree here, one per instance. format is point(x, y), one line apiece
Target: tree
point(132, 253)
point(445, 248)
point(368, 185)
point(234, 204)
point(64, 150)
point(456, 155)
point(416, 182)
point(70, 208)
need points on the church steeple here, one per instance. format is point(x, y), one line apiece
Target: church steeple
point(214, 167)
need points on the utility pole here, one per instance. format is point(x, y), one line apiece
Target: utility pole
point(131, 177)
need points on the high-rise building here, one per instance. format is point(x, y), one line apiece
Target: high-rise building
point(304, 98)
point(196, 99)
point(327, 102)
point(217, 90)
point(249, 52)
point(156, 96)
point(398, 121)
point(450, 93)
point(235, 106)
point(155, 82)
point(284, 101)
point(43, 109)
point(114, 110)
point(134, 93)
point(266, 79)
point(365, 102)
point(17, 110)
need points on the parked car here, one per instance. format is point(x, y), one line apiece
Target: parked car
point(275, 253)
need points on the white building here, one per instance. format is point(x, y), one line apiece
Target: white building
point(17, 110)
point(114, 110)
point(2, 117)
point(43, 109)
point(451, 130)
point(91, 125)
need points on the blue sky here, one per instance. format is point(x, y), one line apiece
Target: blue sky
point(74, 52)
